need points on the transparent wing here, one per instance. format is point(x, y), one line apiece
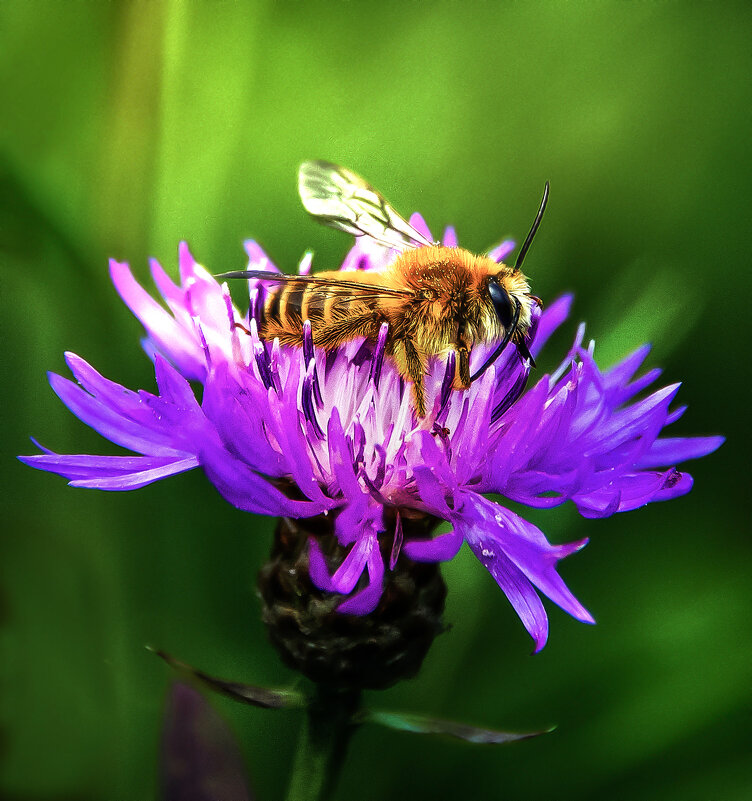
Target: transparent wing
point(330, 286)
point(342, 199)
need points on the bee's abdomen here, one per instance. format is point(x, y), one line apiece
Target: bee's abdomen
point(288, 305)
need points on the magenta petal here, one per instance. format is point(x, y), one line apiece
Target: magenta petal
point(419, 224)
point(247, 490)
point(622, 372)
point(168, 289)
point(550, 320)
point(365, 601)
point(132, 471)
point(497, 531)
point(432, 492)
point(396, 542)
point(349, 572)
point(130, 481)
point(519, 591)
point(317, 568)
point(340, 457)
point(171, 339)
point(501, 251)
point(672, 450)
point(439, 549)
point(110, 424)
point(172, 386)
point(450, 237)
point(257, 258)
point(365, 554)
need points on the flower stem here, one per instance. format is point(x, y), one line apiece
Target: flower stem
point(324, 738)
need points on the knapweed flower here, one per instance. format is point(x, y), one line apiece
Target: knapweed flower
point(297, 432)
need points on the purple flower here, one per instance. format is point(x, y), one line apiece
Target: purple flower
point(340, 427)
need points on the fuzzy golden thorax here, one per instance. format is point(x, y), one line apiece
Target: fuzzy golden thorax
point(452, 300)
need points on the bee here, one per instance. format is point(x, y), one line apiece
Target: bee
point(435, 299)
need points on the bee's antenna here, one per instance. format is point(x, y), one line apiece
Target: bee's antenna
point(538, 217)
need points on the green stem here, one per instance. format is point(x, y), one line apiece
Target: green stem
point(324, 738)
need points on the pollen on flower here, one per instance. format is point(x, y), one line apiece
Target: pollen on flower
point(299, 433)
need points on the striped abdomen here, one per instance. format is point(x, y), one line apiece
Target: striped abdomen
point(288, 305)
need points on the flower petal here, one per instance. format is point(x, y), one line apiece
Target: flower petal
point(550, 320)
point(111, 423)
point(110, 472)
point(173, 340)
point(496, 531)
point(365, 601)
point(438, 549)
point(672, 450)
point(519, 591)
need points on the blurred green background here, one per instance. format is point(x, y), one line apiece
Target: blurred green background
point(126, 127)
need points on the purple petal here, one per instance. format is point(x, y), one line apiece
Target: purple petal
point(551, 318)
point(438, 549)
point(622, 372)
point(365, 601)
point(450, 237)
point(419, 224)
point(677, 484)
point(257, 258)
point(627, 392)
point(630, 491)
point(171, 339)
point(172, 386)
point(137, 480)
point(673, 450)
point(109, 472)
point(675, 414)
point(396, 542)
point(519, 591)
point(109, 423)
point(349, 572)
point(500, 252)
point(317, 569)
point(247, 490)
point(497, 531)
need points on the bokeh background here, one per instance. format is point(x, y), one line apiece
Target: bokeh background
point(127, 127)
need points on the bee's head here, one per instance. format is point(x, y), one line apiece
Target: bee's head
point(507, 302)
point(502, 302)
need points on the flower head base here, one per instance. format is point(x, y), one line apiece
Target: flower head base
point(339, 429)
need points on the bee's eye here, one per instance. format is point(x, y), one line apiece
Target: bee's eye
point(502, 303)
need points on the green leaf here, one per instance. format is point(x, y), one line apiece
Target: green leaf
point(245, 693)
point(419, 724)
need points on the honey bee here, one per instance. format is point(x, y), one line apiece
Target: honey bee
point(435, 299)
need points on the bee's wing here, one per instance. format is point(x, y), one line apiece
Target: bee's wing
point(331, 286)
point(342, 199)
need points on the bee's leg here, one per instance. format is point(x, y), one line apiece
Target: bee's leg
point(413, 366)
point(333, 334)
point(462, 376)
